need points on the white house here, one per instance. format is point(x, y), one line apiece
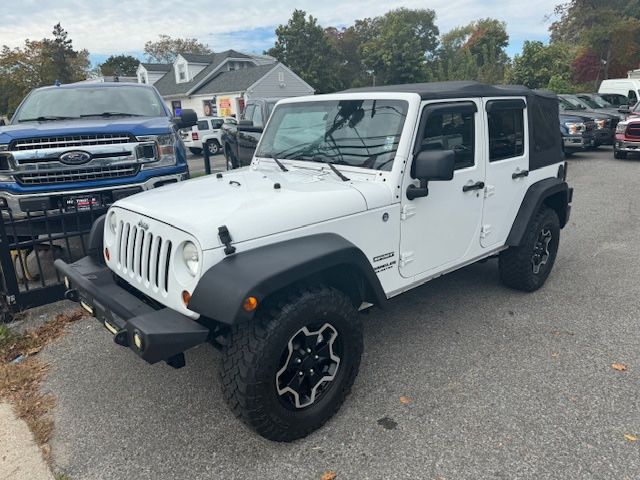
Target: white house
point(221, 83)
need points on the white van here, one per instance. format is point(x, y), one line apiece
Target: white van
point(623, 86)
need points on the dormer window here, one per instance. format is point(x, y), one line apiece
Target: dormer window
point(182, 72)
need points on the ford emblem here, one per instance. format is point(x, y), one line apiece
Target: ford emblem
point(75, 158)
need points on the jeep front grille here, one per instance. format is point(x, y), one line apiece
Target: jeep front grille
point(71, 141)
point(46, 177)
point(143, 255)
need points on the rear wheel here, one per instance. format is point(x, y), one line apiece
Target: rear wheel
point(527, 266)
point(288, 371)
point(195, 151)
point(213, 147)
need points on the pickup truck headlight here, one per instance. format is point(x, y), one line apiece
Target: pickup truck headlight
point(621, 127)
point(191, 258)
point(600, 123)
point(574, 128)
point(5, 165)
point(166, 150)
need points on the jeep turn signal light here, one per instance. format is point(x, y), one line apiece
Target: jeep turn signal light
point(250, 304)
point(186, 296)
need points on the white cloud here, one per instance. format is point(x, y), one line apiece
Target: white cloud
point(116, 26)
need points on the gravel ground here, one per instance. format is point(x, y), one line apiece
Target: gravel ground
point(501, 384)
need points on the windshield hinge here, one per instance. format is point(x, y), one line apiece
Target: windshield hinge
point(485, 231)
point(407, 211)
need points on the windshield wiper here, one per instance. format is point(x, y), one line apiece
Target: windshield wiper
point(278, 162)
point(331, 166)
point(111, 114)
point(45, 118)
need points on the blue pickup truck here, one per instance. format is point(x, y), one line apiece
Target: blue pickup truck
point(79, 146)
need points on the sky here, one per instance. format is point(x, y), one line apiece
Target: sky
point(106, 27)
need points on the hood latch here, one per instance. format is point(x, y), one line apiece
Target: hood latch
point(225, 238)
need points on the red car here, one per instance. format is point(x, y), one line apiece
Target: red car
point(627, 138)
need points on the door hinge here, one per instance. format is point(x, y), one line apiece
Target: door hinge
point(407, 211)
point(489, 191)
point(485, 231)
point(406, 258)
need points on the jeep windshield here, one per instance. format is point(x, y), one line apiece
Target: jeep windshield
point(64, 103)
point(358, 133)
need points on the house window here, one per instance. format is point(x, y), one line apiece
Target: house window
point(182, 72)
point(281, 77)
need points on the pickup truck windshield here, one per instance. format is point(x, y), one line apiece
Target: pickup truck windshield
point(360, 133)
point(85, 102)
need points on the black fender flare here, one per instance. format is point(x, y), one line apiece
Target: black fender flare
point(553, 192)
point(263, 271)
point(96, 239)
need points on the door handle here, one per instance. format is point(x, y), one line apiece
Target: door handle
point(475, 186)
point(520, 174)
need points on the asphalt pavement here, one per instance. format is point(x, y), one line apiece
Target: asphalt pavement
point(498, 384)
point(196, 163)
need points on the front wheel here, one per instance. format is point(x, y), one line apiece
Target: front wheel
point(288, 371)
point(527, 266)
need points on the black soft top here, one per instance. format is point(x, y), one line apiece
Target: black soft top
point(545, 141)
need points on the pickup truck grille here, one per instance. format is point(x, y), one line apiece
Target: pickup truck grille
point(143, 256)
point(633, 130)
point(71, 141)
point(44, 177)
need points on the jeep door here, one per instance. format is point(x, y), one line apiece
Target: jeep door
point(443, 228)
point(507, 151)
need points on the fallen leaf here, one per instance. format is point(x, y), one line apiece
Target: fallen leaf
point(621, 367)
point(555, 355)
point(630, 438)
point(405, 400)
point(328, 475)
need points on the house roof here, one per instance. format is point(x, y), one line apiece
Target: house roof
point(167, 85)
point(157, 67)
point(235, 80)
point(195, 58)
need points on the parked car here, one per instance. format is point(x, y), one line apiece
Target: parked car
point(627, 138)
point(605, 123)
point(615, 99)
point(629, 87)
point(350, 200)
point(578, 132)
point(240, 141)
point(207, 132)
point(596, 103)
point(85, 145)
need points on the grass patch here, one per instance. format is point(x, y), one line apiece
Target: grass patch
point(20, 380)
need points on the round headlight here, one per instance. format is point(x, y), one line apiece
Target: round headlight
point(113, 222)
point(190, 257)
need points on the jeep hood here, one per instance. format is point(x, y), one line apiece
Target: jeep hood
point(249, 204)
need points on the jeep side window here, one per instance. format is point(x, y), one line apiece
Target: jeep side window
point(452, 129)
point(506, 133)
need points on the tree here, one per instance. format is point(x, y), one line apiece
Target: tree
point(63, 63)
point(121, 65)
point(166, 49)
point(539, 63)
point(304, 47)
point(347, 43)
point(400, 45)
point(609, 31)
point(474, 52)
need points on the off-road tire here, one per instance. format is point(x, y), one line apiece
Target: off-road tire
point(195, 151)
point(618, 155)
point(515, 263)
point(252, 358)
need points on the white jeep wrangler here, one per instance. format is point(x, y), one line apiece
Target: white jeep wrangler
point(351, 199)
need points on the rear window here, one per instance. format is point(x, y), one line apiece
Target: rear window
point(216, 124)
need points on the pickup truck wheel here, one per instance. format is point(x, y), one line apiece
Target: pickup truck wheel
point(213, 147)
point(526, 267)
point(618, 155)
point(195, 151)
point(288, 371)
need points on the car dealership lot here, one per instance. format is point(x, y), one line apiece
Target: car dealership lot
point(498, 384)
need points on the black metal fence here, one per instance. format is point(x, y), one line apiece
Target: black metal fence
point(29, 244)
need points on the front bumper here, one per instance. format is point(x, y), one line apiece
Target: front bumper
point(153, 334)
point(20, 204)
point(626, 146)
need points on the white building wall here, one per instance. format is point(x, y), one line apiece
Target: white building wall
point(279, 83)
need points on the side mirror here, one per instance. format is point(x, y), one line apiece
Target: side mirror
point(431, 165)
point(624, 109)
point(187, 119)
